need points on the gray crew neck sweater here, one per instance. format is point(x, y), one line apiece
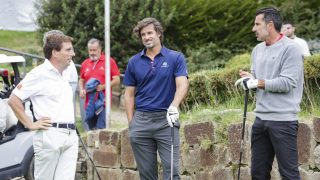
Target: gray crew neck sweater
point(281, 66)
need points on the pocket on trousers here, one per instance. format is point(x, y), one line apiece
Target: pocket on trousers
point(38, 141)
point(132, 121)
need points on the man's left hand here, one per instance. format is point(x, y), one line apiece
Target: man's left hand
point(100, 87)
point(172, 115)
point(247, 83)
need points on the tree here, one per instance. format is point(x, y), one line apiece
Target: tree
point(76, 18)
point(189, 24)
point(305, 15)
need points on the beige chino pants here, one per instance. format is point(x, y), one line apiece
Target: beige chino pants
point(56, 153)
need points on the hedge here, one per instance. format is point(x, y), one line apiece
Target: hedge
point(215, 87)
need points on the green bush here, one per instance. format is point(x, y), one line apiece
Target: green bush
point(189, 24)
point(213, 87)
point(216, 87)
point(209, 56)
point(311, 93)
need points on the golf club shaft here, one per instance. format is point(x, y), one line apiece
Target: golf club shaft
point(243, 129)
point(172, 139)
point(95, 168)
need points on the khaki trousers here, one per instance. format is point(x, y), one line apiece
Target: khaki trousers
point(56, 153)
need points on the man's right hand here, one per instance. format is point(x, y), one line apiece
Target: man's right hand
point(245, 74)
point(82, 93)
point(43, 123)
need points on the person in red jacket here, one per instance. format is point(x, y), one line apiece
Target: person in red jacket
point(94, 67)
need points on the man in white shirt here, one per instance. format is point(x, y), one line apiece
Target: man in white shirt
point(288, 29)
point(71, 70)
point(47, 86)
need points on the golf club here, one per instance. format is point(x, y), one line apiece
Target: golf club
point(172, 138)
point(243, 128)
point(95, 168)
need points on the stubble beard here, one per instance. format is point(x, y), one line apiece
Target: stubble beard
point(93, 58)
point(148, 45)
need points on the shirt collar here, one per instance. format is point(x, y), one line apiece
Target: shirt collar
point(163, 51)
point(50, 67)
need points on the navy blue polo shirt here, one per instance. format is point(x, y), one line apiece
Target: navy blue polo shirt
point(155, 80)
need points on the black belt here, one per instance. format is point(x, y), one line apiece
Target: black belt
point(64, 125)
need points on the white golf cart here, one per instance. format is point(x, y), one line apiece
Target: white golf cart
point(16, 149)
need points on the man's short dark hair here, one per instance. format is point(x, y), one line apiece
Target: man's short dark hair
point(146, 22)
point(54, 42)
point(288, 22)
point(271, 14)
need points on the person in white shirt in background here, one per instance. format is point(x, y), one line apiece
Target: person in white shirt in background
point(288, 29)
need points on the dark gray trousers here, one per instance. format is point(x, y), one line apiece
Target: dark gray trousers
point(270, 138)
point(149, 132)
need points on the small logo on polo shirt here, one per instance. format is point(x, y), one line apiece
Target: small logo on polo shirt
point(165, 65)
point(19, 86)
point(101, 68)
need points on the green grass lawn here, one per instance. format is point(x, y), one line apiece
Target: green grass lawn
point(20, 41)
point(26, 42)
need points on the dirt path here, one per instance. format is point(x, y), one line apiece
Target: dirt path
point(118, 118)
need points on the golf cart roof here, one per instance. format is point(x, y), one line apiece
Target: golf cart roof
point(11, 59)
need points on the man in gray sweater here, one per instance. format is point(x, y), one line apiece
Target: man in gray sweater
point(277, 77)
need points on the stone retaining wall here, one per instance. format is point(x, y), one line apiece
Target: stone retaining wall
point(202, 157)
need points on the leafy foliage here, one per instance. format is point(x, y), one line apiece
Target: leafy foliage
point(305, 15)
point(190, 25)
point(77, 18)
point(207, 57)
point(83, 20)
point(216, 87)
point(124, 16)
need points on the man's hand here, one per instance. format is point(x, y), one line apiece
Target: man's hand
point(100, 87)
point(245, 74)
point(172, 115)
point(82, 93)
point(42, 123)
point(247, 83)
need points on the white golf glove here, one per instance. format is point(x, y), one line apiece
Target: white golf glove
point(247, 83)
point(172, 115)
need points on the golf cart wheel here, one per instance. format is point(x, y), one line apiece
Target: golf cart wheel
point(30, 172)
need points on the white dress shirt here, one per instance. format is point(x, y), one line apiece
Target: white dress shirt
point(49, 92)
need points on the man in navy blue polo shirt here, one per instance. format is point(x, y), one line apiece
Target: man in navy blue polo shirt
point(156, 83)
